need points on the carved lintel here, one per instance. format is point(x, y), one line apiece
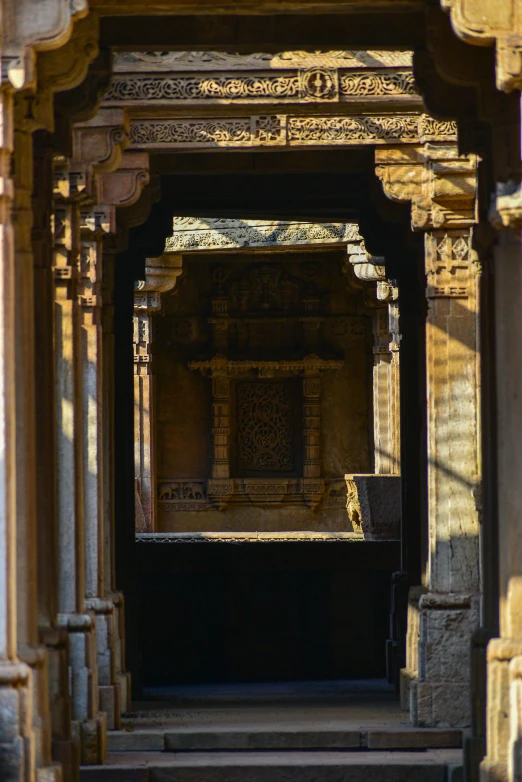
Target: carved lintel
point(100, 141)
point(440, 184)
point(124, 186)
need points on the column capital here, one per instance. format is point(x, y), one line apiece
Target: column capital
point(440, 184)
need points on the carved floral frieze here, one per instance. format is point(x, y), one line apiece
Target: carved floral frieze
point(315, 85)
point(191, 233)
point(288, 131)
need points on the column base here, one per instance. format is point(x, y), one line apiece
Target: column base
point(407, 681)
point(125, 682)
point(110, 704)
point(17, 756)
point(441, 697)
point(50, 773)
point(92, 736)
point(67, 753)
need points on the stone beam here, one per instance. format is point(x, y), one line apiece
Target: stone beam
point(287, 131)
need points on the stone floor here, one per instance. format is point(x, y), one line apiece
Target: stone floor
point(329, 731)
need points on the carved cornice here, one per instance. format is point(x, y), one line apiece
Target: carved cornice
point(278, 130)
point(440, 184)
point(100, 141)
point(212, 61)
point(123, 187)
point(221, 366)
point(205, 234)
point(313, 85)
point(28, 27)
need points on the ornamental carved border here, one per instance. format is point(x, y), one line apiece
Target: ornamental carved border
point(278, 130)
point(316, 85)
point(191, 234)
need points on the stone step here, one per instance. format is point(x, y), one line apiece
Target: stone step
point(355, 766)
point(207, 738)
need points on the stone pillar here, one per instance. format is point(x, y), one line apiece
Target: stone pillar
point(88, 723)
point(161, 276)
point(17, 749)
point(29, 647)
point(386, 413)
point(65, 749)
point(503, 760)
point(90, 371)
point(386, 382)
point(442, 186)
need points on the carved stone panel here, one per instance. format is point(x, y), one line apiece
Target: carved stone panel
point(266, 440)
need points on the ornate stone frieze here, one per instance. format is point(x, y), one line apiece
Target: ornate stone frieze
point(221, 365)
point(316, 85)
point(284, 130)
point(211, 61)
point(193, 233)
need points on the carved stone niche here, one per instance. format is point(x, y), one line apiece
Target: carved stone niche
point(261, 376)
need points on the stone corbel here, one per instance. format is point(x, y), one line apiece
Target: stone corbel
point(123, 187)
point(100, 141)
point(506, 209)
point(27, 27)
point(492, 23)
point(440, 184)
point(162, 273)
point(65, 68)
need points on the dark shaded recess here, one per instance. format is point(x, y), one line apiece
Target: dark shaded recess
point(265, 33)
point(299, 196)
point(263, 612)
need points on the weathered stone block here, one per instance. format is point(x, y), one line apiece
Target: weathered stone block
point(374, 505)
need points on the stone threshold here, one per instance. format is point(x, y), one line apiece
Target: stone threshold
point(429, 766)
point(257, 537)
point(212, 738)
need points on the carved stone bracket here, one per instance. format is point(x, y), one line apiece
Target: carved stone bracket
point(123, 187)
point(488, 23)
point(440, 184)
point(100, 141)
point(27, 28)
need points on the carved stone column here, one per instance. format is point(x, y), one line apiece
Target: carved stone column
point(386, 382)
point(386, 385)
point(161, 276)
point(442, 186)
point(88, 723)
